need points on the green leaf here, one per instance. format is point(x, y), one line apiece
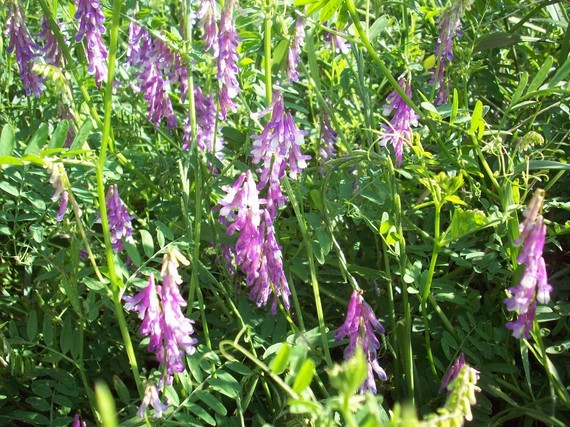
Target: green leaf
point(66, 337)
point(106, 405)
point(32, 325)
point(329, 9)
point(520, 88)
point(454, 107)
point(377, 27)
point(561, 74)
point(542, 164)
point(39, 404)
point(477, 123)
point(147, 243)
point(279, 363)
point(541, 74)
point(201, 413)
point(304, 376)
point(59, 135)
point(133, 253)
point(224, 387)
point(38, 140)
point(122, 390)
point(7, 139)
point(500, 39)
point(82, 135)
point(10, 160)
point(279, 53)
point(212, 402)
point(464, 223)
point(47, 330)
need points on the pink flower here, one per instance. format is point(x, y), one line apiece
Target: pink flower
point(228, 41)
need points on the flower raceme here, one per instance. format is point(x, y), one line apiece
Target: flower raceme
point(399, 130)
point(119, 219)
point(360, 327)
point(25, 49)
point(293, 56)
point(151, 398)
point(160, 309)
point(92, 28)
point(228, 41)
point(533, 286)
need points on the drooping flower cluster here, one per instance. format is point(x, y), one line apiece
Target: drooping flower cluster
point(451, 374)
point(92, 27)
point(206, 136)
point(328, 139)
point(339, 44)
point(158, 69)
point(449, 28)
point(360, 326)
point(256, 249)
point(119, 219)
point(160, 308)
point(51, 50)
point(533, 286)
point(78, 422)
point(151, 398)
point(25, 49)
point(293, 56)
point(399, 130)
point(57, 178)
point(207, 16)
point(228, 41)
point(279, 144)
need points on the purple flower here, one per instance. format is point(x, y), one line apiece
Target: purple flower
point(279, 143)
point(92, 27)
point(136, 55)
point(293, 55)
point(206, 136)
point(119, 219)
point(57, 180)
point(360, 326)
point(51, 50)
point(78, 422)
point(257, 251)
point(26, 50)
point(449, 28)
point(340, 45)
point(228, 41)
point(169, 330)
point(151, 398)
point(451, 374)
point(533, 286)
point(399, 130)
point(207, 16)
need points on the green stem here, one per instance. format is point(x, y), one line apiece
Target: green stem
point(267, 51)
point(312, 269)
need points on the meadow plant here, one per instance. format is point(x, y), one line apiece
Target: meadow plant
point(91, 28)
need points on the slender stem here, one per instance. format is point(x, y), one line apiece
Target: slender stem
point(312, 269)
point(267, 51)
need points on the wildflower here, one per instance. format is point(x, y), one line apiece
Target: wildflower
point(295, 51)
point(119, 219)
point(51, 50)
point(359, 326)
point(399, 130)
point(228, 41)
point(449, 28)
point(57, 179)
point(207, 16)
point(169, 330)
point(206, 136)
point(92, 27)
point(136, 55)
point(340, 45)
point(451, 374)
point(151, 398)
point(533, 286)
point(26, 50)
point(279, 144)
point(78, 422)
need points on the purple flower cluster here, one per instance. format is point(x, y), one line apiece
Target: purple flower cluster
point(360, 326)
point(57, 181)
point(449, 28)
point(534, 286)
point(207, 16)
point(158, 69)
point(399, 130)
point(51, 50)
point(228, 41)
point(340, 45)
point(26, 50)
point(160, 308)
point(279, 143)
point(78, 422)
point(206, 136)
point(119, 219)
point(256, 249)
point(294, 53)
point(451, 374)
point(328, 139)
point(151, 398)
point(92, 27)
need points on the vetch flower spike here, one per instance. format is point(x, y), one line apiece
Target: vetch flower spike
point(228, 41)
point(361, 326)
point(399, 130)
point(58, 180)
point(151, 398)
point(26, 50)
point(92, 27)
point(293, 56)
point(119, 219)
point(533, 286)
